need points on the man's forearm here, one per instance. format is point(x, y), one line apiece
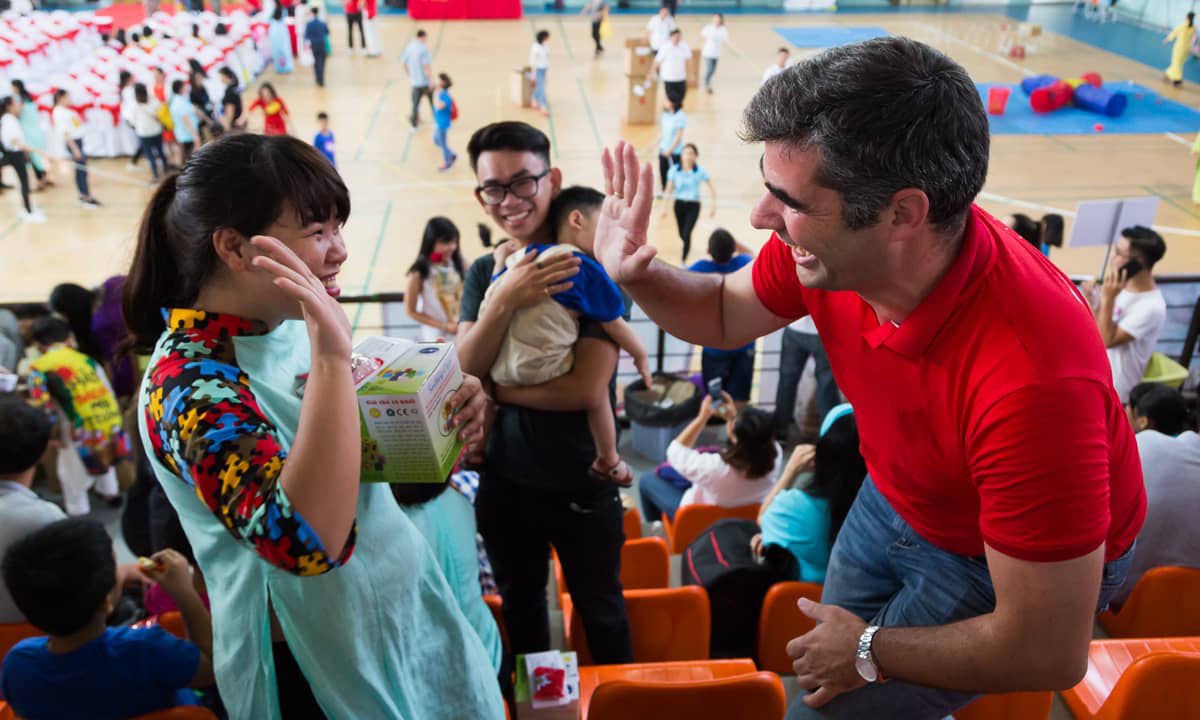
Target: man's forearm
point(1104, 320)
point(686, 305)
point(479, 346)
point(973, 655)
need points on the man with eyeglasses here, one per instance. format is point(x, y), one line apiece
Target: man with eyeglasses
point(535, 490)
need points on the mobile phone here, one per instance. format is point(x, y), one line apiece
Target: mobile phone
point(1129, 269)
point(714, 392)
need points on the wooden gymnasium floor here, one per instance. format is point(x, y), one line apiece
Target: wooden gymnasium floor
point(395, 186)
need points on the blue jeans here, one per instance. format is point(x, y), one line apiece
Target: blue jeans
point(659, 497)
point(439, 139)
point(81, 172)
point(152, 148)
point(710, 65)
point(797, 346)
point(539, 87)
point(736, 370)
point(885, 573)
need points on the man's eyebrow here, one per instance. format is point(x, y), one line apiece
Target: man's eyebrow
point(782, 196)
point(497, 181)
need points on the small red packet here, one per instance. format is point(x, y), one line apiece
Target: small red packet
point(548, 683)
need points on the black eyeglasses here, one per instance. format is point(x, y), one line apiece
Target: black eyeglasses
point(523, 187)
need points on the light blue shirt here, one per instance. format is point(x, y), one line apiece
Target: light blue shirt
point(687, 182)
point(800, 522)
point(381, 636)
point(416, 57)
point(671, 124)
point(181, 107)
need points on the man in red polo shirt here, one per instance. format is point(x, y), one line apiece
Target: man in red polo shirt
point(1005, 490)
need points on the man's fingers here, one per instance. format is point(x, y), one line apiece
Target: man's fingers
point(644, 199)
point(606, 163)
point(629, 160)
point(618, 180)
point(796, 647)
point(819, 697)
point(814, 610)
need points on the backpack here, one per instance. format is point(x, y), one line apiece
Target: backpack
point(720, 561)
point(453, 109)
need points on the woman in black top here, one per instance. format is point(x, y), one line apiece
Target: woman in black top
point(198, 95)
point(231, 102)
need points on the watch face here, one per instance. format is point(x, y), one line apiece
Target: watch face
point(866, 669)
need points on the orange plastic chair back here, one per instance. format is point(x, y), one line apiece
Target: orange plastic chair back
point(6, 712)
point(757, 695)
point(1158, 685)
point(780, 621)
point(645, 563)
point(171, 621)
point(1164, 603)
point(665, 624)
point(633, 524)
point(1007, 706)
point(495, 603)
point(691, 520)
point(179, 713)
point(13, 633)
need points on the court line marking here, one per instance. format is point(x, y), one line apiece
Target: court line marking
point(387, 214)
point(1176, 138)
point(587, 106)
point(565, 39)
point(974, 48)
point(371, 123)
point(550, 115)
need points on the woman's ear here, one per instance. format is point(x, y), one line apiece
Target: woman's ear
point(233, 249)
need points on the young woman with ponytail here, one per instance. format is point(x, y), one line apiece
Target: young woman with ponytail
point(326, 600)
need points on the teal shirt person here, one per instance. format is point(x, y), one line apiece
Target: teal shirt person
point(181, 109)
point(378, 632)
point(448, 523)
point(672, 123)
point(799, 523)
point(687, 182)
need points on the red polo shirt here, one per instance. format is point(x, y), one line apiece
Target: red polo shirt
point(989, 414)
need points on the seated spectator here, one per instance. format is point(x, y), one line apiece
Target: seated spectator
point(64, 578)
point(64, 379)
point(24, 437)
point(1129, 307)
point(1170, 451)
point(447, 520)
point(742, 473)
point(803, 515)
point(734, 367)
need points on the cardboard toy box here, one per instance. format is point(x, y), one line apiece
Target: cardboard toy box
point(404, 391)
point(641, 103)
point(530, 683)
point(638, 57)
point(522, 87)
point(694, 68)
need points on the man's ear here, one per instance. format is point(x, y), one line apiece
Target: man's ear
point(555, 182)
point(233, 249)
point(910, 209)
point(1140, 423)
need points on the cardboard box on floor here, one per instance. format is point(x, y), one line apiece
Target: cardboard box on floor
point(638, 57)
point(567, 708)
point(405, 411)
point(641, 103)
point(693, 69)
point(522, 87)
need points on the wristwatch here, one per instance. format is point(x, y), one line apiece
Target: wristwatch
point(865, 660)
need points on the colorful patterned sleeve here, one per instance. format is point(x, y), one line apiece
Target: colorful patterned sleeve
point(206, 427)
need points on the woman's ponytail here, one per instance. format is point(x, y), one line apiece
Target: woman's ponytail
point(154, 280)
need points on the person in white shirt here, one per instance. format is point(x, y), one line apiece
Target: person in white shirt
point(15, 152)
point(780, 64)
point(715, 35)
point(659, 27)
point(742, 473)
point(149, 129)
point(539, 60)
point(24, 436)
point(1170, 451)
point(68, 127)
point(671, 66)
point(1130, 309)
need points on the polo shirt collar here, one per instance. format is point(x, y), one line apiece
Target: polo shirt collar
point(913, 336)
point(9, 487)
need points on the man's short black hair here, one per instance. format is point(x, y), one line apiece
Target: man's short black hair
point(24, 435)
point(1164, 407)
point(576, 197)
point(542, 35)
point(721, 246)
point(59, 575)
point(675, 32)
point(50, 329)
point(322, 115)
point(420, 33)
point(1146, 243)
point(508, 135)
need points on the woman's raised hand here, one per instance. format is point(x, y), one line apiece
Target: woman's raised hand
point(328, 326)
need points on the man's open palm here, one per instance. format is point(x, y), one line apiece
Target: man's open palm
point(625, 216)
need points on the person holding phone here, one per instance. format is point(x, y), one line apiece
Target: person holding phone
point(1129, 308)
point(740, 473)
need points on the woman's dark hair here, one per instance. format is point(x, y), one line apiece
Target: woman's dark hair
point(24, 435)
point(140, 93)
point(241, 181)
point(838, 470)
point(415, 494)
point(269, 87)
point(754, 453)
point(1052, 229)
point(277, 13)
point(1191, 17)
point(194, 67)
point(60, 574)
point(59, 94)
point(124, 78)
point(177, 86)
point(508, 135)
point(542, 36)
point(76, 303)
point(19, 86)
point(228, 74)
point(134, 38)
point(721, 246)
point(437, 229)
point(1028, 229)
point(445, 80)
point(120, 36)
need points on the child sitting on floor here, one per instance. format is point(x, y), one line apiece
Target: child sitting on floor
point(538, 346)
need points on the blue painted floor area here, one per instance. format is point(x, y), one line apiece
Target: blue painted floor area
point(824, 36)
point(1146, 113)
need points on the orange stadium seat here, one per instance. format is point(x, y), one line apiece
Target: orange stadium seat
point(1164, 603)
point(665, 624)
point(691, 520)
point(757, 695)
point(645, 563)
point(780, 620)
point(1139, 679)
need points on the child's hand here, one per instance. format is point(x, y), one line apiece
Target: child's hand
point(801, 459)
point(502, 251)
point(642, 363)
point(169, 569)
